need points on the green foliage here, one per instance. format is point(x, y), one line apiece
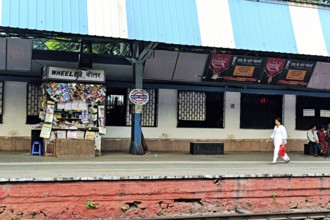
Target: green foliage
point(90, 204)
point(123, 208)
point(319, 1)
point(312, 1)
point(71, 45)
point(62, 45)
point(249, 203)
point(274, 195)
point(162, 214)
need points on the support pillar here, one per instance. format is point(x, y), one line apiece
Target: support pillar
point(138, 61)
point(136, 130)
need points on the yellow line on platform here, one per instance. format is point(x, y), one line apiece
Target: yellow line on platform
point(142, 169)
point(125, 169)
point(152, 162)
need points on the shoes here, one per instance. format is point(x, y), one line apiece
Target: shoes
point(286, 161)
point(272, 163)
point(316, 155)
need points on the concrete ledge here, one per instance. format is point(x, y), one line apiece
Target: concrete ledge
point(15, 143)
point(244, 145)
point(115, 144)
point(174, 177)
point(75, 148)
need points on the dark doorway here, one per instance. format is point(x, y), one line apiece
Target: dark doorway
point(259, 111)
point(116, 106)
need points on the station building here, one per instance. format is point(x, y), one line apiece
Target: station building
point(214, 70)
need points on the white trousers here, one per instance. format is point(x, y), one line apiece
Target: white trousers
point(276, 149)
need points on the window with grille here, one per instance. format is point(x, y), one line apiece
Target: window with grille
point(1, 101)
point(118, 108)
point(312, 111)
point(200, 109)
point(33, 104)
point(260, 111)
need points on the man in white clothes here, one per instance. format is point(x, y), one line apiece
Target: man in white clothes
point(313, 140)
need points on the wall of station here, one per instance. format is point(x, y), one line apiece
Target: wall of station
point(15, 133)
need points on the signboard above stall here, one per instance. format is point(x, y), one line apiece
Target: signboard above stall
point(72, 75)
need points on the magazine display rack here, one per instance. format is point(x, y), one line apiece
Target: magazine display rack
point(73, 112)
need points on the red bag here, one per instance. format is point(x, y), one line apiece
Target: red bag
point(282, 150)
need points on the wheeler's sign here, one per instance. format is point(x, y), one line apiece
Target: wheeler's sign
point(65, 74)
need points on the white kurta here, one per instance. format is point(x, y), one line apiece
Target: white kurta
point(279, 135)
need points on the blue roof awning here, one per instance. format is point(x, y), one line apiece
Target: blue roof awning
point(269, 26)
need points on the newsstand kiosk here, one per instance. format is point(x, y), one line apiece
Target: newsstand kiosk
point(73, 103)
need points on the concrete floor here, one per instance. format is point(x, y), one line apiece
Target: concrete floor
point(20, 166)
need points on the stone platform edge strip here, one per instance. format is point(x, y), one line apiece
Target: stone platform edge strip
point(125, 178)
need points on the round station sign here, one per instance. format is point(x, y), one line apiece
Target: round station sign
point(138, 96)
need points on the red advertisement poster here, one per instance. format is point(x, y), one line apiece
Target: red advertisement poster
point(273, 68)
point(219, 64)
point(225, 67)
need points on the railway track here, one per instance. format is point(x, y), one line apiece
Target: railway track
point(310, 215)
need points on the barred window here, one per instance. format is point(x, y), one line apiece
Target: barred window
point(192, 106)
point(1, 101)
point(119, 107)
point(312, 111)
point(200, 109)
point(259, 111)
point(33, 104)
point(149, 110)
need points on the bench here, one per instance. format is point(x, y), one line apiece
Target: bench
point(206, 148)
point(308, 149)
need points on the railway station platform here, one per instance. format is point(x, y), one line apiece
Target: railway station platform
point(158, 164)
point(160, 185)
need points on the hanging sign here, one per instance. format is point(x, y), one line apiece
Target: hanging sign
point(218, 66)
point(65, 74)
point(138, 96)
point(273, 68)
point(297, 73)
point(225, 67)
point(245, 69)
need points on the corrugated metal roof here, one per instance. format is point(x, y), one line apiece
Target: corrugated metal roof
point(50, 15)
point(168, 21)
point(215, 24)
point(0, 12)
point(107, 18)
point(308, 30)
point(262, 26)
point(324, 15)
point(239, 24)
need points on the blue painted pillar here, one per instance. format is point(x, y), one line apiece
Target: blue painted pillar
point(136, 131)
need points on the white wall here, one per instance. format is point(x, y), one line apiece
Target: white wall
point(167, 119)
point(14, 112)
point(14, 117)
